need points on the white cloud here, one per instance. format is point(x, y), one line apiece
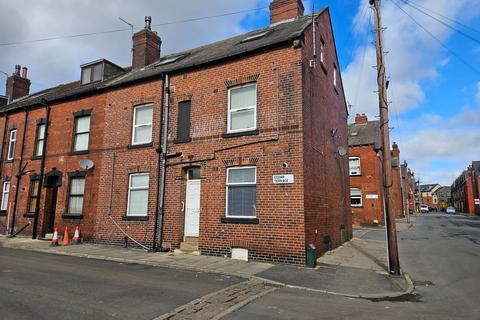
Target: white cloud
point(413, 55)
point(58, 61)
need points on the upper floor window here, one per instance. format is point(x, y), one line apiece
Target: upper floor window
point(183, 122)
point(11, 144)
point(82, 133)
point(92, 73)
point(335, 76)
point(241, 192)
point(138, 194)
point(40, 140)
point(355, 197)
point(142, 125)
point(242, 108)
point(322, 51)
point(5, 193)
point(354, 166)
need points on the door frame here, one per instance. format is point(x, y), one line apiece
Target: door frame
point(194, 180)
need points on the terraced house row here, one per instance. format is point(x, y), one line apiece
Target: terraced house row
point(236, 148)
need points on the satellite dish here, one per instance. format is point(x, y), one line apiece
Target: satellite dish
point(342, 151)
point(86, 164)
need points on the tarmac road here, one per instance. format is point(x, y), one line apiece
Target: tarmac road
point(45, 286)
point(440, 252)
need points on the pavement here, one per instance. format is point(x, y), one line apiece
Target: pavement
point(356, 269)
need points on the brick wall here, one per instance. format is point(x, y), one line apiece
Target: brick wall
point(327, 209)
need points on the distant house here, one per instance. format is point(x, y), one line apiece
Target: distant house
point(429, 196)
point(366, 173)
point(444, 197)
point(465, 190)
point(254, 127)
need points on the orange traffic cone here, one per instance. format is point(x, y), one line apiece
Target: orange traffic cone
point(66, 241)
point(76, 236)
point(55, 238)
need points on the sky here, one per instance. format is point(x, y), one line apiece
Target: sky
point(434, 72)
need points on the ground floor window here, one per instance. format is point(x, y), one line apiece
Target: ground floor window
point(5, 193)
point(138, 194)
point(356, 197)
point(241, 192)
point(75, 200)
point(32, 195)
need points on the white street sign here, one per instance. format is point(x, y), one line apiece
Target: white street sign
point(282, 178)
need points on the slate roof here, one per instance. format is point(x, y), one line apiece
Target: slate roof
point(366, 134)
point(233, 47)
point(427, 187)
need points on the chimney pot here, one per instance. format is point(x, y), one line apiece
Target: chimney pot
point(17, 69)
point(148, 22)
point(24, 72)
point(281, 10)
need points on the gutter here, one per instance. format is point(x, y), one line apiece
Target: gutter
point(20, 173)
point(42, 171)
point(2, 148)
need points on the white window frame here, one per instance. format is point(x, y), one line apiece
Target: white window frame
point(130, 188)
point(359, 166)
point(11, 145)
point(76, 195)
point(135, 126)
point(39, 151)
point(322, 51)
point(77, 133)
point(5, 191)
point(229, 112)
point(335, 76)
point(239, 184)
point(361, 198)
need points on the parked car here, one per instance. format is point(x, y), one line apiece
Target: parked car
point(424, 208)
point(451, 210)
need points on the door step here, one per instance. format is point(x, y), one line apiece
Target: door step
point(189, 246)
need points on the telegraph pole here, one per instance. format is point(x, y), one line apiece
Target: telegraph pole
point(393, 261)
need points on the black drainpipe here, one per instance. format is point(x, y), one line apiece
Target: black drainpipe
point(2, 148)
point(165, 155)
point(42, 170)
point(20, 173)
point(159, 160)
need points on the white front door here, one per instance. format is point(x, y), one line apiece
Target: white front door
point(192, 208)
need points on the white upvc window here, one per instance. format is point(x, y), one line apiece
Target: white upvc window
point(335, 76)
point(142, 125)
point(242, 108)
point(241, 192)
point(11, 144)
point(40, 140)
point(356, 197)
point(138, 195)
point(354, 166)
point(5, 193)
point(322, 51)
point(82, 133)
point(75, 196)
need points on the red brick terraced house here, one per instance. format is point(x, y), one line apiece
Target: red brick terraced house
point(366, 173)
point(236, 148)
point(465, 190)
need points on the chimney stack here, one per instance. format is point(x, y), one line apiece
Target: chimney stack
point(18, 85)
point(361, 118)
point(395, 150)
point(281, 10)
point(146, 46)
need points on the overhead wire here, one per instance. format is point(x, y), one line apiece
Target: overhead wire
point(127, 29)
point(466, 35)
point(453, 53)
point(444, 16)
